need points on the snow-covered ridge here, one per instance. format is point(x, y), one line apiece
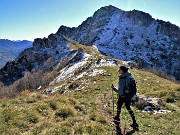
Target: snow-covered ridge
point(70, 72)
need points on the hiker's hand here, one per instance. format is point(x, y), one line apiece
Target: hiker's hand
point(112, 86)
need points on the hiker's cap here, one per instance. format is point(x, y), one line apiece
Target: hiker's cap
point(124, 68)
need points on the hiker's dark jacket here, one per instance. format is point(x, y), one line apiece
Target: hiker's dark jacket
point(123, 80)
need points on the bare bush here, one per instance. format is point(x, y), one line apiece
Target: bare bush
point(49, 64)
point(7, 92)
point(163, 74)
point(1, 84)
point(30, 81)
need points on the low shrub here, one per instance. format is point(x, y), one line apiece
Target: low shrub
point(56, 130)
point(42, 109)
point(32, 118)
point(65, 112)
point(79, 108)
point(53, 105)
point(8, 115)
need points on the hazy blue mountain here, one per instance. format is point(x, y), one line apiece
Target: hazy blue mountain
point(9, 50)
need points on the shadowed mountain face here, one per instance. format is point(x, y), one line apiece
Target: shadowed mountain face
point(132, 35)
point(9, 50)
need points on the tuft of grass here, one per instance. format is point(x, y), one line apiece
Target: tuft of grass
point(59, 130)
point(8, 115)
point(66, 130)
point(93, 117)
point(22, 125)
point(79, 108)
point(54, 105)
point(92, 128)
point(32, 118)
point(178, 88)
point(72, 101)
point(31, 100)
point(102, 120)
point(25, 93)
point(41, 127)
point(98, 118)
point(65, 112)
point(42, 109)
point(4, 104)
point(63, 100)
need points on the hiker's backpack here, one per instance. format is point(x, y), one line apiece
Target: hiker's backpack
point(130, 89)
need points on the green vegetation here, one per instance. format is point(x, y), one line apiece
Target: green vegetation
point(77, 112)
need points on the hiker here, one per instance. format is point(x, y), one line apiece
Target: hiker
point(122, 98)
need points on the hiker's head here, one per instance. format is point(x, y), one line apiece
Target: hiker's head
point(123, 69)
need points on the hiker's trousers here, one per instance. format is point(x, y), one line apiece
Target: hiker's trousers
point(127, 102)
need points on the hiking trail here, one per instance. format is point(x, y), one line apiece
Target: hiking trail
point(102, 107)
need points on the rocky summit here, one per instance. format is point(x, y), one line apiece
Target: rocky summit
point(126, 35)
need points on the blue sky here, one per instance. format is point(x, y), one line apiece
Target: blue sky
point(30, 19)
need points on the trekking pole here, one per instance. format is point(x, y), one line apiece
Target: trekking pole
point(125, 124)
point(113, 102)
point(113, 108)
point(113, 97)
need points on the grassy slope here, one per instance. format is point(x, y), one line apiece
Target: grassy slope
point(77, 113)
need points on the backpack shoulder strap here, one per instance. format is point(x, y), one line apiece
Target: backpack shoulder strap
point(128, 80)
point(120, 77)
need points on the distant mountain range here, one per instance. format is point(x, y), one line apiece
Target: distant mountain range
point(9, 50)
point(127, 35)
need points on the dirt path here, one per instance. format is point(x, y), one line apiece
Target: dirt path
point(102, 106)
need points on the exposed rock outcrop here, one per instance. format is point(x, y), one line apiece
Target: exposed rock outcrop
point(139, 16)
point(34, 59)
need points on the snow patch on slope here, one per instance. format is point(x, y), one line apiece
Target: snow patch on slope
point(69, 70)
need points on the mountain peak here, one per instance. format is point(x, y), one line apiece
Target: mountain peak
point(106, 10)
point(136, 15)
